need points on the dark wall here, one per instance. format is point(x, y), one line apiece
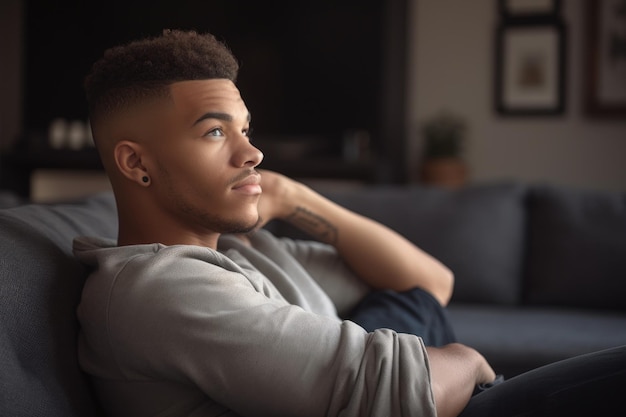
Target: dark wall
point(311, 67)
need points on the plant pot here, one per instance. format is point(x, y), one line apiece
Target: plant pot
point(447, 172)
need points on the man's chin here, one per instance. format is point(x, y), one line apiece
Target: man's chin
point(244, 228)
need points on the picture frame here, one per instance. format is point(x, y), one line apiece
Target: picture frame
point(605, 60)
point(529, 9)
point(530, 74)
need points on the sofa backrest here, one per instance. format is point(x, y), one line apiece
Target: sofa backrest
point(478, 231)
point(507, 242)
point(576, 248)
point(40, 286)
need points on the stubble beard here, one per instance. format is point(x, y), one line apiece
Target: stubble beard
point(214, 222)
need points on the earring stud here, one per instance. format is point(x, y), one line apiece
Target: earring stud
point(145, 179)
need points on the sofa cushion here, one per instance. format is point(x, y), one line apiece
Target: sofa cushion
point(577, 248)
point(518, 339)
point(477, 231)
point(40, 286)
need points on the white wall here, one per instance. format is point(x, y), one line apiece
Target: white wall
point(451, 67)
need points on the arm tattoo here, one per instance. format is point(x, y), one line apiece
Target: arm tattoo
point(313, 224)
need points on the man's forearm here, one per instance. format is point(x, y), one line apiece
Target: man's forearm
point(380, 256)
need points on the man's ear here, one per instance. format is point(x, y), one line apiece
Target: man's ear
point(128, 158)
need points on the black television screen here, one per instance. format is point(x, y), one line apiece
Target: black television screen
point(307, 67)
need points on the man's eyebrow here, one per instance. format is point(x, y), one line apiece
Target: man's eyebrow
point(219, 116)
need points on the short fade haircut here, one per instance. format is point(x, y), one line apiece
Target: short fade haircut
point(144, 69)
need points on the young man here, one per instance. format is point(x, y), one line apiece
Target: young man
point(197, 311)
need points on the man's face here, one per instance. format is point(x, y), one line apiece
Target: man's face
point(202, 160)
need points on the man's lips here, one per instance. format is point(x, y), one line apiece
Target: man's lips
point(249, 185)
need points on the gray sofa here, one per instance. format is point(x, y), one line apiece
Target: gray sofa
point(540, 276)
point(540, 270)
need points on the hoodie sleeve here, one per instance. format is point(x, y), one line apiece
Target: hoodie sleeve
point(327, 268)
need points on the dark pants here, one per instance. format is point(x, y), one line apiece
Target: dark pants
point(415, 311)
point(588, 385)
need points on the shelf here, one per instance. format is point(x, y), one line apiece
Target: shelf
point(17, 166)
point(84, 159)
point(88, 159)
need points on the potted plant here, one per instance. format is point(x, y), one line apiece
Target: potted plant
point(442, 161)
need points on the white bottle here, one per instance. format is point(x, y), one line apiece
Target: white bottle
point(76, 135)
point(58, 133)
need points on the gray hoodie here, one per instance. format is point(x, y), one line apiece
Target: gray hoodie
point(247, 330)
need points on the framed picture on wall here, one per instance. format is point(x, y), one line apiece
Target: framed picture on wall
point(530, 69)
point(605, 58)
point(529, 8)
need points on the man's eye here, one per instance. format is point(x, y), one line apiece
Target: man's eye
point(216, 132)
point(247, 132)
